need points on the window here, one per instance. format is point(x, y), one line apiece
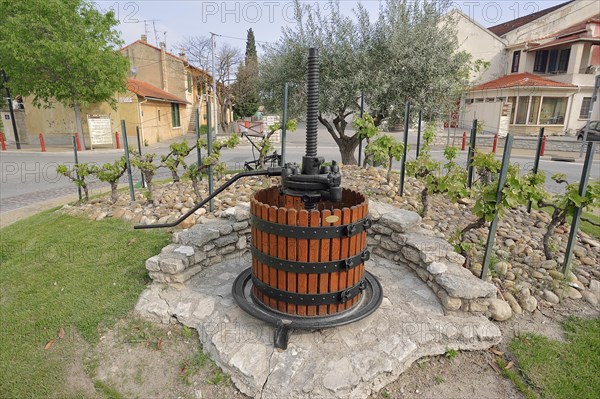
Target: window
point(189, 82)
point(534, 109)
point(176, 122)
point(552, 61)
point(553, 111)
point(586, 110)
point(522, 111)
point(515, 62)
point(563, 60)
point(541, 59)
point(513, 104)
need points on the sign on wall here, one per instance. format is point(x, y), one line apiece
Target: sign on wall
point(268, 121)
point(505, 118)
point(100, 130)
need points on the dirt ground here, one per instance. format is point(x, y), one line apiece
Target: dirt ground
point(139, 359)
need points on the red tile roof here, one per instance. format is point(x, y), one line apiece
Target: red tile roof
point(520, 80)
point(504, 28)
point(152, 92)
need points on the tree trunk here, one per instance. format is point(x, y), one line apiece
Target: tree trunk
point(86, 192)
point(475, 225)
point(175, 175)
point(114, 194)
point(425, 202)
point(389, 170)
point(148, 177)
point(196, 188)
point(555, 221)
point(347, 147)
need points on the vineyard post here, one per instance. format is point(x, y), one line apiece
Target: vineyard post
point(585, 175)
point(536, 162)
point(494, 225)
point(471, 153)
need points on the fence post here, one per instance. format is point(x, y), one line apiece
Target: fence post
point(117, 140)
point(284, 124)
point(471, 153)
point(198, 148)
point(211, 205)
point(419, 134)
point(2, 141)
point(495, 143)
point(127, 162)
point(75, 166)
point(139, 143)
point(543, 150)
point(360, 140)
point(585, 175)
point(78, 142)
point(406, 116)
point(464, 141)
point(494, 225)
point(42, 144)
point(536, 160)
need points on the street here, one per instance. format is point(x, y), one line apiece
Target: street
point(29, 178)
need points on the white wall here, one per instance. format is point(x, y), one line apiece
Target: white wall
point(481, 44)
point(557, 20)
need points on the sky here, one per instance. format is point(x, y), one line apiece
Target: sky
point(174, 20)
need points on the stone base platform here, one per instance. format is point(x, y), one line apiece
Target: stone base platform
point(352, 361)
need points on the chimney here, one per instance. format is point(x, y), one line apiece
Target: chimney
point(182, 54)
point(145, 38)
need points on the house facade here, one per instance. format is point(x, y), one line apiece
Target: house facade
point(163, 93)
point(541, 74)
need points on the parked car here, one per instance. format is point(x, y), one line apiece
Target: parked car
point(593, 131)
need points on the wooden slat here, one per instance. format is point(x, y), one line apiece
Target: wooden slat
point(273, 252)
point(325, 256)
point(253, 235)
point(292, 251)
point(313, 256)
point(264, 213)
point(302, 256)
point(335, 255)
point(282, 254)
point(345, 249)
point(352, 251)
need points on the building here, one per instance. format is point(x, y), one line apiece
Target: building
point(541, 70)
point(162, 96)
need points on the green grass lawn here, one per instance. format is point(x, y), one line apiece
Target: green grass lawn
point(562, 369)
point(58, 271)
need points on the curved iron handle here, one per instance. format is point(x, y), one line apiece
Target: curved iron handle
point(269, 172)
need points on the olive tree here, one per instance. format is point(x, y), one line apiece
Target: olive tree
point(409, 52)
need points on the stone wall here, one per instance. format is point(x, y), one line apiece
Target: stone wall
point(524, 143)
point(201, 246)
point(396, 234)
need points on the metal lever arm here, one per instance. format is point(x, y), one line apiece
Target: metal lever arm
point(276, 171)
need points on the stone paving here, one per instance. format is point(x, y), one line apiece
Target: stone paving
point(344, 362)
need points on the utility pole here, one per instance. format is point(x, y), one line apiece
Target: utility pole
point(10, 108)
point(214, 77)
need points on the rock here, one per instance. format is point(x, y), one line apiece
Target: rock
point(588, 261)
point(241, 243)
point(476, 269)
point(448, 302)
point(400, 220)
point(590, 297)
point(237, 213)
point(572, 293)
point(465, 286)
point(152, 264)
point(189, 222)
point(549, 264)
point(499, 309)
point(551, 297)
point(510, 276)
point(502, 268)
point(509, 242)
point(528, 303)
point(595, 287)
point(514, 305)
point(437, 267)
point(198, 235)
point(555, 274)
point(580, 252)
point(536, 274)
